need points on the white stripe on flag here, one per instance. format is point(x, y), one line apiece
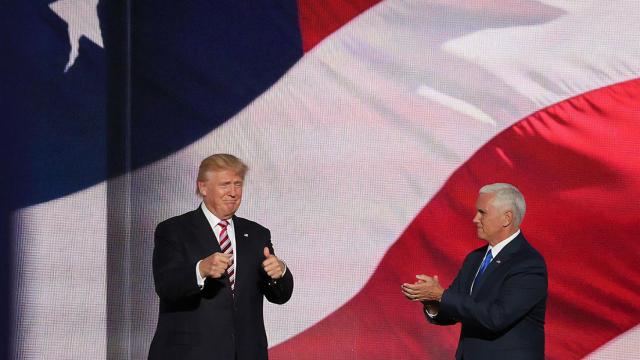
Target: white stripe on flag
point(623, 347)
point(344, 138)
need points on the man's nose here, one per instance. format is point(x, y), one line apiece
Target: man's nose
point(476, 219)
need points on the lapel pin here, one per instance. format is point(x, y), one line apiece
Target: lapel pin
point(498, 261)
point(246, 235)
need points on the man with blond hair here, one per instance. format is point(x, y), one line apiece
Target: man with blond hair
point(212, 270)
point(500, 293)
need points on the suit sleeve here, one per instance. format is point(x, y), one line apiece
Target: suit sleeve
point(522, 289)
point(173, 274)
point(444, 318)
point(277, 291)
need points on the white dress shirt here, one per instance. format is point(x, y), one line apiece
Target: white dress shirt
point(213, 221)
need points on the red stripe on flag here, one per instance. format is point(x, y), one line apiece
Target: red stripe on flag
point(318, 19)
point(576, 162)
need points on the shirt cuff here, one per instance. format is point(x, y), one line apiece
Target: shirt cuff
point(285, 269)
point(199, 279)
point(429, 314)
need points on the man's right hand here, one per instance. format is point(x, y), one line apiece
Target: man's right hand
point(214, 265)
point(425, 289)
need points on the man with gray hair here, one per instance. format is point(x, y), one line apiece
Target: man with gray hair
point(500, 293)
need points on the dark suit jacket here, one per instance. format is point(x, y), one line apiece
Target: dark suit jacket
point(504, 316)
point(211, 323)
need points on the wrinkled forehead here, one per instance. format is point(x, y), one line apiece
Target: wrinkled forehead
point(486, 201)
point(229, 174)
point(485, 198)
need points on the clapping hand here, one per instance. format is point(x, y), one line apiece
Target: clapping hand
point(425, 289)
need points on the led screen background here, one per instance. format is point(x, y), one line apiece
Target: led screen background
point(368, 128)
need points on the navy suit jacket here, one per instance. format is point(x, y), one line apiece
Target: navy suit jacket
point(211, 323)
point(504, 316)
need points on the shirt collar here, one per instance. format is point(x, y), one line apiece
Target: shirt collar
point(212, 219)
point(496, 249)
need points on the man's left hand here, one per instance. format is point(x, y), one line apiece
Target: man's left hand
point(272, 265)
point(425, 289)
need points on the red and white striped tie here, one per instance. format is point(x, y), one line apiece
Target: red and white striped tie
point(225, 245)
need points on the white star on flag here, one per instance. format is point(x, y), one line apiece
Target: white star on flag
point(82, 19)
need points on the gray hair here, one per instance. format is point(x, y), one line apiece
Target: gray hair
point(508, 198)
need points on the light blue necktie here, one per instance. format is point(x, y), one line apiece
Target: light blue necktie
point(483, 267)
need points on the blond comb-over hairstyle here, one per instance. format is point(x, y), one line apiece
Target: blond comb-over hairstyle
point(220, 162)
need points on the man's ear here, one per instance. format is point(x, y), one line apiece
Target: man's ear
point(508, 218)
point(201, 188)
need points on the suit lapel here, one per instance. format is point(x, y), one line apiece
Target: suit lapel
point(475, 264)
point(243, 253)
point(503, 257)
point(205, 237)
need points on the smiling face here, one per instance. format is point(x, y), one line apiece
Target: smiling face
point(221, 192)
point(493, 224)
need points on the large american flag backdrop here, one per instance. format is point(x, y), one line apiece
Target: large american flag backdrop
point(368, 127)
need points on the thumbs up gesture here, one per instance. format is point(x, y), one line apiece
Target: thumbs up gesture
point(273, 266)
